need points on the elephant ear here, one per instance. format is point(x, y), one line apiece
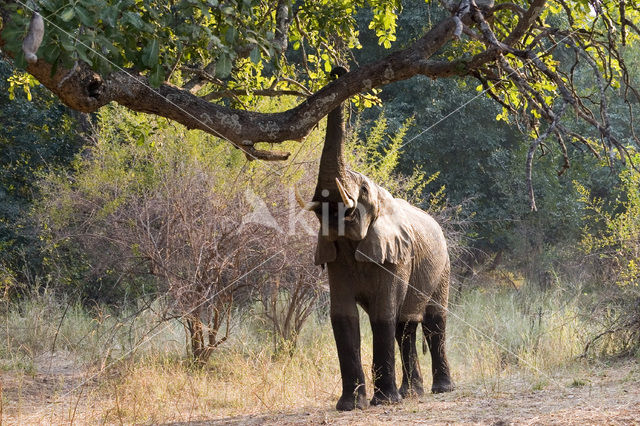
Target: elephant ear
point(325, 251)
point(389, 238)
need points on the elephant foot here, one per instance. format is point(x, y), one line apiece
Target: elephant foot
point(349, 402)
point(442, 385)
point(389, 397)
point(410, 391)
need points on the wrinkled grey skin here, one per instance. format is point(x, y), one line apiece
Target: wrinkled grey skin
point(390, 258)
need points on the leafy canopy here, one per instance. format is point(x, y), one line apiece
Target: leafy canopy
point(160, 38)
point(538, 59)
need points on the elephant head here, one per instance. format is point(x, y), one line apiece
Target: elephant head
point(350, 205)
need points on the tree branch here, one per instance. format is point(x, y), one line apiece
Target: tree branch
point(84, 90)
point(532, 149)
point(261, 92)
point(282, 25)
point(87, 91)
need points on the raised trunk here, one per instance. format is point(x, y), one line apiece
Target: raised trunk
point(332, 164)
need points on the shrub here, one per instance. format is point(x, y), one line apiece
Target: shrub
point(611, 241)
point(154, 213)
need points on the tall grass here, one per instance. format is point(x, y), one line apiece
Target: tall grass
point(501, 334)
point(131, 370)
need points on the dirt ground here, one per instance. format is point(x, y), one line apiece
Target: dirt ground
point(611, 398)
point(608, 394)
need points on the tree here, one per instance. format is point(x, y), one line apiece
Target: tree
point(293, 284)
point(38, 134)
point(158, 217)
point(197, 62)
point(480, 159)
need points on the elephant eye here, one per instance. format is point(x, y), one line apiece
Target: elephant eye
point(364, 190)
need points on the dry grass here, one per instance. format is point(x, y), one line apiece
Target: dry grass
point(502, 344)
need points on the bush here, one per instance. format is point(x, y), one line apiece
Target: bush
point(156, 213)
point(38, 134)
point(611, 241)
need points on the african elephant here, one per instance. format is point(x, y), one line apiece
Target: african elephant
point(390, 258)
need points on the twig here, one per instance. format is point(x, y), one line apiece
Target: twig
point(532, 148)
point(55, 337)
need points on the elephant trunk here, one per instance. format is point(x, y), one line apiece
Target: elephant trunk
point(332, 163)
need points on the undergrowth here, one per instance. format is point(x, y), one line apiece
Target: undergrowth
point(130, 368)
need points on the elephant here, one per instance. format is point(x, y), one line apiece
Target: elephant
point(390, 258)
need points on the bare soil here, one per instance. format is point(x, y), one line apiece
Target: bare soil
point(610, 398)
point(592, 394)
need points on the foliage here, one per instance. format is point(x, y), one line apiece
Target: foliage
point(141, 206)
point(377, 155)
point(38, 135)
point(275, 48)
point(611, 242)
point(612, 228)
point(481, 159)
point(161, 38)
point(458, 136)
point(156, 212)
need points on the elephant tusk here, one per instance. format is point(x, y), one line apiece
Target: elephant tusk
point(312, 205)
point(348, 202)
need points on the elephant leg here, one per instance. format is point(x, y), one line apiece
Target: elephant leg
point(411, 376)
point(433, 327)
point(384, 376)
point(346, 331)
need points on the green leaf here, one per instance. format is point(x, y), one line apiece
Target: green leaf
point(223, 66)
point(230, 35)
point(107, 45)
point(134, 19)
point(150, 53)
point(84, 17)
point(67, 44)
point(156, 78)
point(13, 38)
point(67, 14)
point(47, 5)
point(255, 55)
point(109, 15)
point(51, 54)
point(82, 54)
point(19, 61)
point(10, 33)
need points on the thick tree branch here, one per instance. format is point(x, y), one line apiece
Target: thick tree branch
point(282, 25)
point(85, 90)
point(260, 92)
point(527, 19)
